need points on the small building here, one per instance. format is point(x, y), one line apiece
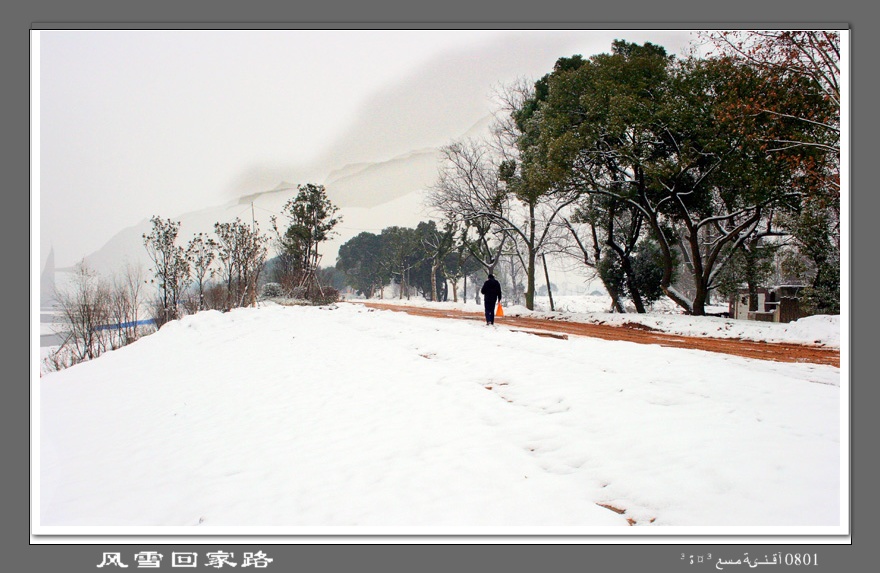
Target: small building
point(775, 304)
point(739, 304)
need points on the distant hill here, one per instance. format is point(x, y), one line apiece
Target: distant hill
point(378, 183)
point(371, 196)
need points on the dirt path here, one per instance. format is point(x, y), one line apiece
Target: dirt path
point(780, 352)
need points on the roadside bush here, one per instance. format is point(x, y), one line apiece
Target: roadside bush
point(272, 290)
point(329, 296)
point(298, 293)
point(216, 296)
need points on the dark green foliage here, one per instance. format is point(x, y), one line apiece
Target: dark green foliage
point(751, 266)
point(643, 280)
point(311, 218)
point(332, 277)
point(670, 139)
point(420, 260)
point(399, 253)
point(360, 259)
point(815, 259)
point(611, 274)
point(648, 271)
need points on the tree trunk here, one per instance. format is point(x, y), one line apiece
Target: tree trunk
point(530, 271)
point(616, 305)
point(434, 267)
point(547, 278)
point(753, 296)
point(628, 272)
point(699, 305)
point(634, 292)
point(700, 292)
point(751, 273)
point(530, 282)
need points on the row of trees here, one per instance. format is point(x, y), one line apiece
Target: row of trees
point(423, 260)
point(97, 315)
point(90, 303)
point(666, 177)
point(224, 271)
point(220, 271)
point(437, 263)
point(184, 275)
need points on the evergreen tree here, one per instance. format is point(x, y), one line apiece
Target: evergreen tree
point(311, 218)
point(663, 137)
point(359, 259)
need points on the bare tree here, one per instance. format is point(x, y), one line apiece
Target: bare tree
point(481, 188)
point(469, 191)
point(84, 307)
point(201, 252)
point(437, 244)
point(125, 304)
point(537, 204)
point(242, 253)
point(170, 266)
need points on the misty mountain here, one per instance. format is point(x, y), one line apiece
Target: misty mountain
point(371, 196)
point(378, 169)
point(378, 183)
point(448, 96)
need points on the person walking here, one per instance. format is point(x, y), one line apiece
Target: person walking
point(491, 292)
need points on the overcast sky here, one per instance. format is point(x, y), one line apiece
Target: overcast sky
point(137, 123)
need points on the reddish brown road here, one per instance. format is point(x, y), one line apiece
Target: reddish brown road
point(780, 352)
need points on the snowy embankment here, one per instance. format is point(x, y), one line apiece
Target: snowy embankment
point(822, 330)
point(343, 416)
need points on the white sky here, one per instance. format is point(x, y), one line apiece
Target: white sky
point(137, 123)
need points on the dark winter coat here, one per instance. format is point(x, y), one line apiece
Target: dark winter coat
point(491, 291)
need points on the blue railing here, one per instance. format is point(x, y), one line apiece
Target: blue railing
point(126, 324)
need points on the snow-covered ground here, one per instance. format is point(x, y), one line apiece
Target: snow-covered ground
point(344, 419)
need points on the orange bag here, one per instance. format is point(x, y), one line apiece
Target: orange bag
point(498, 310)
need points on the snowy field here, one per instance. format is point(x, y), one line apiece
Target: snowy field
point(344, 419)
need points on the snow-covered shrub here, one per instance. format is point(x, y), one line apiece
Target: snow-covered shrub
point(298, 293)
point(272, 290)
